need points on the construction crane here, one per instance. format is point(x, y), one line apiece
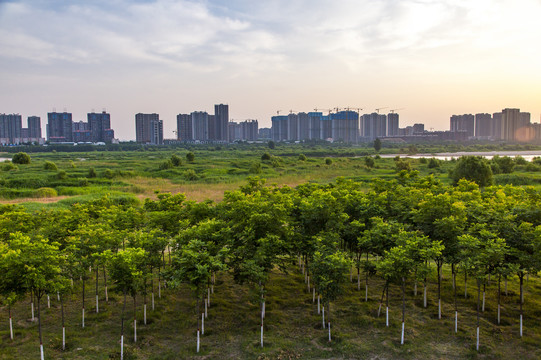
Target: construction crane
point(278, 112)
point(393, 110)
point(381, 108)
point(176, 133)
point(318, 110)
point(291, 111)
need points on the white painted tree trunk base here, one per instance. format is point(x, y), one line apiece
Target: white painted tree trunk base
point(159, 290)
point(261, 335)
point(48, 302)
point(134, 331)
point(10, 328)
point(152, 301)
point(313, 295)
point(106, 295)
point(145, 314)
point(387, 316)
point(318, 306)
point(323, 316)
point(83, 318)
point(122, 347)
point(202, 324)
point(439, 309)
point(41, 352)
point(206, 308)
point(197, 340)
point(415, 289)
point(402, 337)
point(63, 338)
point(456, 322)
point(483, 307)
point(425, 303)
point(366, 293)
point(57, 296)
point(329, 332)
point(521, 325)
point(477, 345)
point(97, 304)
point(308, 283)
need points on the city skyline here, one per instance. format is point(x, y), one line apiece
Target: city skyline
point(432, 59)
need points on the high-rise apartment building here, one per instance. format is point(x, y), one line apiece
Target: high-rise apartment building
point(10, 128)
point(221, 121)
point(184, 127)
point(373, 126)
point(280, 128)
point(483, 126)
point(510, 123)
point(250, 129)
point(99, 123)
point(148, 129)
point(464, 122)
point(314, 129)
point(497, 126)
point(59, 127)
point(200, 125)
point(392, 124)
point(34, 127)
point(345, 126)
point(303, 127)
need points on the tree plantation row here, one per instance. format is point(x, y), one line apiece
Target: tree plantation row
point(403, 232)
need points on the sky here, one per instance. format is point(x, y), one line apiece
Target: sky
point(430, 59)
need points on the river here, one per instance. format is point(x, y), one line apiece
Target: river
point(527, 155)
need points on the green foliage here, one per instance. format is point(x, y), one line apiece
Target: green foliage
point(302, 157)
point(271, 144)
point(92, 173)
point(21, 158)
point(46, 192)
point(61, 175)
point(328, 161)
point(190, 157)
point(502, 165)
point(377, 144)
point(473, 168)
point(266, 156)
point(49, 165)
point(176, 160)
point(167, 164)
point(255, 168)
point(190, 175)
point(369, 161)
point(434, 163)
point(8, 166)
point(402, 165)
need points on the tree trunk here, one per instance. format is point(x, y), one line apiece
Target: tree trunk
point(122, 328)
point(403, 308)
point(152, 286)
point(521, 276)
point(63, 325)
point(83, 302)
point(499, 297)
point(456, 305)
point(478, 308)
point(381, 300)
point(484, 292)
point(366, 286)
point(97, 300)
point(32, 303)
point(387, 306)
point(135, 318)
point(439, 264)
point(105, 283)
point(145, 302)
point(39, 326)
point(10, 323)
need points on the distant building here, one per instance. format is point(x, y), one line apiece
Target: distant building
point(303, 127)
point(184, 127)
point(148, 129)
point(392, 124)
point(34, 127)
point(292, 127)
point(418, 129)
point(100, 126)
point(221, 121)
point(249, 130)
point(373, 126)
point(279, 128)
point(345, 126)
point(80, 126)
point(483, 126)
point(200, 127)
point(265, 133)
point(497, 126)
point(10, 129)
point(59, 127)
point(314, 129)
point(463, 123)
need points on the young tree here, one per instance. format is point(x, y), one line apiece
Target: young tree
point(12, 285)
point(125, 269)
point(328, 267)
point(407, 258)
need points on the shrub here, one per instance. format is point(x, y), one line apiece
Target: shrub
point(92, 173)
point(369, 162)
point(45, 192)
point(473, 168)
point(109, 174)
point(167, 164)
point(9, 166)
point(519, 160)
point(176, 160)
point(83, 182)
point(255, 168)
point(190, 156)
point(328, 161)
point(403, 164)
point(271, 144)
point(72, 164)
point(49, 165)
point(434, 163)
point(423, 160)
point(21, 158)
point(266, 156)
point(505, 164)
point(190, 175)
point(61, 175)
point(302, 157)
